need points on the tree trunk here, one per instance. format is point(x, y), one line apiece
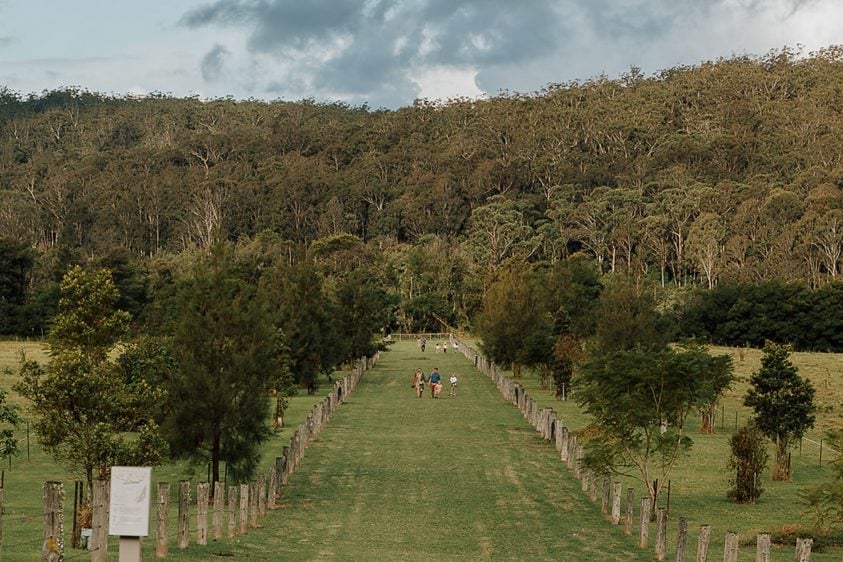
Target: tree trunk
point(516, 370)
point(781, 466)
point(709, 417)
point(215, 459)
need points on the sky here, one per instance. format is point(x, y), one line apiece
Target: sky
point(382, 53)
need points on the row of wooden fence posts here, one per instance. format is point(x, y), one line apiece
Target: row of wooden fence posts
point(249, 501)
point(598, 486)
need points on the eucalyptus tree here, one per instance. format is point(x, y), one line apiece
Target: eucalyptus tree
point(705, 245)
point(498, 231)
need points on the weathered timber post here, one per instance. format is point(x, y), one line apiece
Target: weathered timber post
point(162, 533)
point(253, 505)
point(762, 548)
point(803, 549)
point(644, 529)
point(661, 533)
point(584, 480)
point(202, 513)
point(578, 462)
point(262, 495)
point(52, 547)
point(593, 485)
point(730, 549)
point(99, 520)
point(616, 504)
point(232, 511)
point(563, 447)
point(285, 467)
point(702, 543)
point(682, 540)
point(630, 503)
point(272, 495)
point(219, 509)
point(184, 515)
point(244, 508)
point(607, 491)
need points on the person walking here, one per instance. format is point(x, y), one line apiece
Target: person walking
point(418, 382)
point(453, 381)
point(435, 379)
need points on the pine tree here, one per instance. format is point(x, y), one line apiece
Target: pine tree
point(783, 403)
point(226, 348)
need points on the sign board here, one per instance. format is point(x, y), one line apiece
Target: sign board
point(129, 503)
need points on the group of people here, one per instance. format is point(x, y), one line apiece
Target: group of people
point(443, 347)
point(435, 382)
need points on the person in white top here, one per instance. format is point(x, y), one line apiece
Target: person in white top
point(453, 380)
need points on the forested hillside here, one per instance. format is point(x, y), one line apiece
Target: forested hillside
point(726, 171)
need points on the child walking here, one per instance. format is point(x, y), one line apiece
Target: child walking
point(453, 380)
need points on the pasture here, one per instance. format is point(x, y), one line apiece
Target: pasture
point(394, 477)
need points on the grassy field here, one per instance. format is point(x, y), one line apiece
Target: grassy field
point(700, 482)
point(394, 477)
point(25, 475)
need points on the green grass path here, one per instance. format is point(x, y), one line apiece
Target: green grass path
point(394, 477)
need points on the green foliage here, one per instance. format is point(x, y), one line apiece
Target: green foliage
point(824, 501)
point(364, 309)
point(639, 400)
point(225, 344)
point(627, 318)
point(16, 263)
point(87, 321)
point(85, 416)
point(515, 327)
point(782, 401)
point(9, 421)
point(786, 313)
point(749, 458)
point(305, 312)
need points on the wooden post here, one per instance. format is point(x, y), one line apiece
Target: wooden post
point(607, 490)
point(202, 513)
point(244, 507)
point(572, 451)
point(593, 484)
point(162, 533)
point(219, 505)
point(583, 476)
point(272, 495)
point(730, 549)
point(99, 520)
point(682, 540)
point(630, 502)
point(232, 511)
point(702, 544)
point(803, 549)
point(762, 548)
point(616, 504)
point(184, 515)
point(52, 547)
point(262, 495)
point(644, 530)
point(661, 533)
point(253, 505)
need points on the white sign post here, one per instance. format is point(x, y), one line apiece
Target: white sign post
point(129, 508)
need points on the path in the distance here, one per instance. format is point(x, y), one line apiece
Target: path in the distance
point(394, 477)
